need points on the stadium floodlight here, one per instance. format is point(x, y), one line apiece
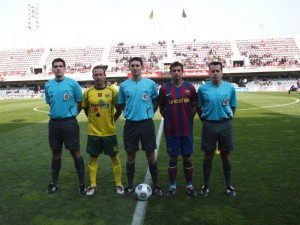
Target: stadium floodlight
point(33, 16)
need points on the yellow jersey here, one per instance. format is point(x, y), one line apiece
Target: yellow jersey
point(101, 108)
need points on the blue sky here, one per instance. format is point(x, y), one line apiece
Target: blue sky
point(100, 22)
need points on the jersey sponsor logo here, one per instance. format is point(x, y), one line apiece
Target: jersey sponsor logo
point(179, 101)
point(66, 96)
point(100, 106)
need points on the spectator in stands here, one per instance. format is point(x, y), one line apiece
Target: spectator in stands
point(101, 127)
point(216, 107)
point(178, 106)
point(64, 96)
point(295, 88)
point(138, 98)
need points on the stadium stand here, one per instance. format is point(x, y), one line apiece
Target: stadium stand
point(199, 54)
point(77, 59)
point(268, 64)
point(120, 54)
point(17, 62)
point(269, 52)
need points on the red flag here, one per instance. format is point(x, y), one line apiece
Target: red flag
point(183, 14)
point(151, 15)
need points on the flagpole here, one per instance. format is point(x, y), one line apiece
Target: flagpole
point(184, 31)
point(151, 17)
point(153, 31)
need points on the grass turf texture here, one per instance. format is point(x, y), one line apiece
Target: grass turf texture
point(265, 172)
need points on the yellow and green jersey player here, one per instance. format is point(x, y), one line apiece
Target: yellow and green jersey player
point(100, 106)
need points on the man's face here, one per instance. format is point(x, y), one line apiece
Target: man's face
point(58, 69)
point(135, 68)
point(99, 76)
point(215, 73)
point(176, 73)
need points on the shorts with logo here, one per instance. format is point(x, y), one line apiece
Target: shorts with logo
point(213, 132)
point(64, 131)
point(97, 145)
point(179, 145)
point(136, 131)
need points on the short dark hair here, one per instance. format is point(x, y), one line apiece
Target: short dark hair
point(174, 64)
point(59, 60)
point(136, 59)
point(215, 63)
point(99, 67)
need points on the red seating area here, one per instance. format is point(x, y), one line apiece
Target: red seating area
point(198, 54)
point(194, 55)
point(150, 53)
point(77, 59)
point(264, 52)
point(17, 62)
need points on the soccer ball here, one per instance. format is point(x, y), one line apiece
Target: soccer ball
point(143, 192)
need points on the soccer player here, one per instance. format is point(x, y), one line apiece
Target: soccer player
point(295, 88)
point(101, 108)
point(178, 106)
point(64, 96)
point(216, 107)
point(138, 99)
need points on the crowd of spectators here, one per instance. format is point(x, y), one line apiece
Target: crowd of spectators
point(194, 55)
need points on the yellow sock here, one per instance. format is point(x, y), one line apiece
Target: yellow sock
point(93, 168)
point(117, 169)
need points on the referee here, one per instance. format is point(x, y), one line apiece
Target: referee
point(216, 106)
point(64, 97)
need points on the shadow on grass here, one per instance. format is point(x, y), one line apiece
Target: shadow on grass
point(265, 166)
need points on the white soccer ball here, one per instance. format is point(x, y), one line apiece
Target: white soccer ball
point(143, 192)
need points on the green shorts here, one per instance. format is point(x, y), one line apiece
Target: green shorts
point(97, 145)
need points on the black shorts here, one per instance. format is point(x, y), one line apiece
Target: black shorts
point(64, 131)
point(217, 132)
point(136, 131)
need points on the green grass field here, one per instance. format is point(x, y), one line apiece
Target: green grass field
point(265, 172)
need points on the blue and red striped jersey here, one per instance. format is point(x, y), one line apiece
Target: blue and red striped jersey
point(177, 103)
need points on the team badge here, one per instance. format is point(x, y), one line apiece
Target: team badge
point(99, 94)
point(187, 92)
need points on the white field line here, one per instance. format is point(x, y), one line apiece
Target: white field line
point(140, 209)
point(42, 111)
point(273, 106)
point(38, 110)
point(262, 107)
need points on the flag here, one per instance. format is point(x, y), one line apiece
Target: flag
point(183, 14)
point(151, 15)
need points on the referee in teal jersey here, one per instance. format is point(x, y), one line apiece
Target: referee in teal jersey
point(64, 97)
